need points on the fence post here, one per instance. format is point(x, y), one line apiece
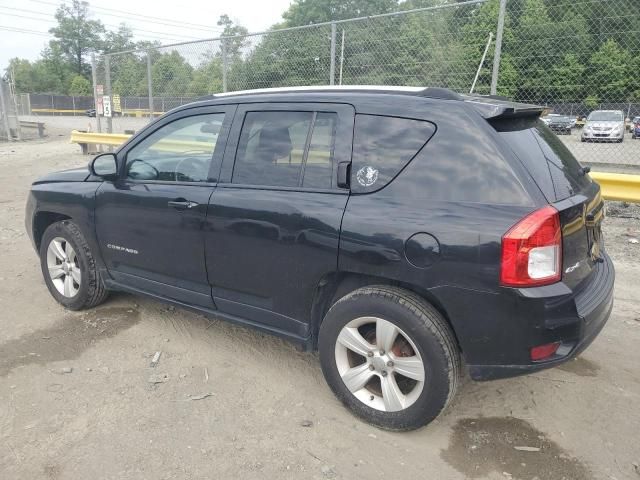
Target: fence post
point(223, 47)
point(150, 84)
point(107, 85)
point(4, 112)
point(498, 52)
point(341, 58)
point(332, 68)
point(94, 78)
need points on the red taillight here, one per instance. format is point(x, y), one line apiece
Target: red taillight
point(542, 352)
point(532, 250)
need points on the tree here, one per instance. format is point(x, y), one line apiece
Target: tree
point(80, 86)
point(171, 74)
point(119, 40)
point(610, 72)
point(76, 35)
point(305, 12)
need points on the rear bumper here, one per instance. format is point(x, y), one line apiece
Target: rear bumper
point(593, 307)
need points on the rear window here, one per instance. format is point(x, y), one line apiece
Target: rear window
point(382, 147)
point(545, 156)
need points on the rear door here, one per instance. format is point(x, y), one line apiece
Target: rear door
point(149, 222)
point(567, 186)
point(273, 224)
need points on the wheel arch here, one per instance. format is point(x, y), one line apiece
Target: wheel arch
point(41, 221)
point(336, 285)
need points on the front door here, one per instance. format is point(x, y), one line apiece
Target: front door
point(273, 225)
point(149, 222)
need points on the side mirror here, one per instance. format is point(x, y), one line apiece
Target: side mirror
point(104, 166)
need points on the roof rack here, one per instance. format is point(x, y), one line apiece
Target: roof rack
point(489, 106)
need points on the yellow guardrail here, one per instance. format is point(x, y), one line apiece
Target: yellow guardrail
point(113, 139)
point(618, 186)
point(116, 139)
point(614, 186)
point(56, 110)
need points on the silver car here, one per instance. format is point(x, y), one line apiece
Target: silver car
point(604, 125)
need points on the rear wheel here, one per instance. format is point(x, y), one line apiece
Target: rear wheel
point(69, 268)
point(390, 357)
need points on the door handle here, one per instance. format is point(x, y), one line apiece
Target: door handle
point(182, 204)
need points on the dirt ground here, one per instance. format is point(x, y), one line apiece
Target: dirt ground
point(77, 401)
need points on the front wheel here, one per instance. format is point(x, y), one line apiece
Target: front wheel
point(69, 268)
point(389, 356)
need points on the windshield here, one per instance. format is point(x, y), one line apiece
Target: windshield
point(605, 117)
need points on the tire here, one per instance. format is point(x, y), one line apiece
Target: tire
point(423, 339)
point(68, 243)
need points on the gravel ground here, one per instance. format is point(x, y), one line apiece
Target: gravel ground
point(77, 398)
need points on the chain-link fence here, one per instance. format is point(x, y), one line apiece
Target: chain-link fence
point(573, 56)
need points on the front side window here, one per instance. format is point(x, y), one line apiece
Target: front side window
point(286, 149)
point(180, 151)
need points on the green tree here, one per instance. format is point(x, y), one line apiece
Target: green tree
point(566, 79)
point(119, 40)
point(305, 12)
point(171, 74)
point(80, 86)
point(610, 72)
point(76, 34)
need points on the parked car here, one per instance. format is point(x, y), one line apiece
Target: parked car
point(91, 112)
point(635, 128)
point(401, 232)
point(604, 125)
point(561, 124)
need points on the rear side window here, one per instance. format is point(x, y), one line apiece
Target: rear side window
point(286, 149)
point(545, 156)
point(382, 147)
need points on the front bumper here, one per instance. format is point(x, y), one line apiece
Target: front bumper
point(593, 306)
point(593, 135)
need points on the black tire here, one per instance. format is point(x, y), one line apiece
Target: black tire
point(425, 327)
point(91, 291)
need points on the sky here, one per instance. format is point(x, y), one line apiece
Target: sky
point(30, 20)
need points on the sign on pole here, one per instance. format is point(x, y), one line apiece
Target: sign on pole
point(117, 108)
point(106, 105)
point(100, 90)
point(99, 109)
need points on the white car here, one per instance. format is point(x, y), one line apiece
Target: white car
point(604, 125)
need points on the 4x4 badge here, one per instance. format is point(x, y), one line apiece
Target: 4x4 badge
point(367, 176)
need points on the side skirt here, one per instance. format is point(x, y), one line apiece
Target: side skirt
point(302, 343)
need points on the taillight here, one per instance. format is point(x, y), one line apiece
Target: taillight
point(532, 250)
point(543, 352)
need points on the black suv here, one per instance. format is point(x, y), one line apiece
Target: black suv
point(399, 231)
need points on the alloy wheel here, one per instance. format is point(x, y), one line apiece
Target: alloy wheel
point(63, 266)
point(379, 364)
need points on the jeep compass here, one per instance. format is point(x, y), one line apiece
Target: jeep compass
point(401, 232)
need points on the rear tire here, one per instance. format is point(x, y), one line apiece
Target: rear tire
point(69, 268)
point(404, 387)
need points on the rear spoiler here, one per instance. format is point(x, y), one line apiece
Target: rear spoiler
point(494, 107)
